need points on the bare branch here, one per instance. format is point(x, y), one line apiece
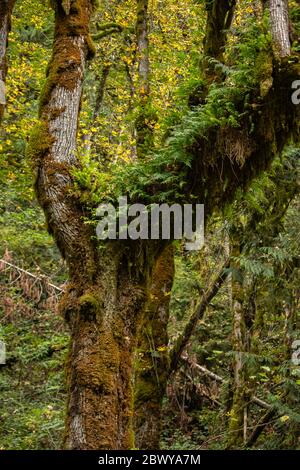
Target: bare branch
point(189, 329)
point(204, 371)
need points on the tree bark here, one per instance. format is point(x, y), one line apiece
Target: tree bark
point(236, 420)
point(279, 17)
point(6, 8)
point(103, 322)
point(146, 118)
point(219, 18)
point(152, 356)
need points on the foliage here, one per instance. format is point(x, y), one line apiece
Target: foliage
point(264, 221)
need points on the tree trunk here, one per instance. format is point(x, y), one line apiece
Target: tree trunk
point(105, 298)
point(146, 118)
point(89, 139)
point(152, 360)
point(219, 18)
point(280, 27)
point(103, 322)
point(116, 294)
point(143, 46)
point(6, 8)
point(237, 412)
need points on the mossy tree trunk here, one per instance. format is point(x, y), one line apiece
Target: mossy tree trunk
point(106, 294)
point(104, 317)
point(6, 8)
point(151, 358)
point(238, 408)
point(116, 294)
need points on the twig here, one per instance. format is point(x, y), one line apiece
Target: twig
point(219, 379)
point(184, 338)
point(33, 276)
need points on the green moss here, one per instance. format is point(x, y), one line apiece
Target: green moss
point(64, 68)
point(263, 71)
point(91, 47)
point(89, 302)
point(145, 390)
point(39, 144)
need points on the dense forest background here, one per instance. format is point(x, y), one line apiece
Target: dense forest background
point(233, 377)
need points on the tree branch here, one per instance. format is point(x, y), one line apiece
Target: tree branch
point(265, 420)
point(189, 329)
point(52, 146)
point(107, 30)
point(219, 17)
point(202, 370)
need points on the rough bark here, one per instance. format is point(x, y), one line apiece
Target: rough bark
point(103, 322)
point(6, 8)
point(280, 27)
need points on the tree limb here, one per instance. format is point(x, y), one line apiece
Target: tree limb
point(204, 371)
point(219, 18)
point(260, 427)
point(189, 329)
point(52, 146)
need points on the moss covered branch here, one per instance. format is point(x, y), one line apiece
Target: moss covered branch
point(219, 18)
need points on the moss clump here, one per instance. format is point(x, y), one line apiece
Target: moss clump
point(145, 390)
point(91, 47)
point(89, 303)
point(39, 144)
point(264, 70)
point(65, 67)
